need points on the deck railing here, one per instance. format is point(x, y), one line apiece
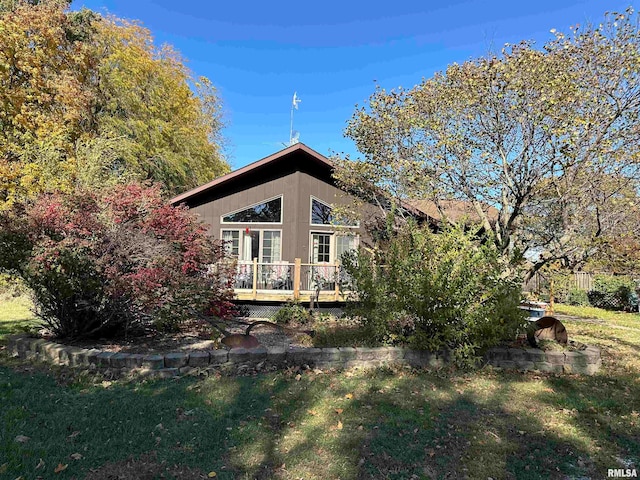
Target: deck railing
point(293, 280)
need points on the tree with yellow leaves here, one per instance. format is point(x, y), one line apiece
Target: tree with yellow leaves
point(87, 100)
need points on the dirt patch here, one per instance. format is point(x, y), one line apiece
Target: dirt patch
point(146, 467)
point(194, 336)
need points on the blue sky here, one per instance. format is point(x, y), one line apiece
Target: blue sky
point(332, 53)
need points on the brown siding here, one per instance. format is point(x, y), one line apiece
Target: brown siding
point(211, 212)
point(296, 189)
point(311, 186)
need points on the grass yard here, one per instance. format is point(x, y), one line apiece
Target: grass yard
point(380, 424)
point(15, 315)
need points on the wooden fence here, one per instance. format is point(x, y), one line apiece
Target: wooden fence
point(539, 282)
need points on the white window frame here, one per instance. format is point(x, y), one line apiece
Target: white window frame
point(281, 197)
point(261, 247)
point(332, 244)
point(239, 240)
point(331, 225)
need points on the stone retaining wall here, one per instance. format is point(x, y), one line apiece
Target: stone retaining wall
point(585, 362)
point(240, 359)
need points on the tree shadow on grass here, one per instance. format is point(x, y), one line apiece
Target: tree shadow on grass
point(10, 327)
point(465, 436)
point(388, 423)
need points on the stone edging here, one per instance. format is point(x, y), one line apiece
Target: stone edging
point(240, 359)
point(585, 362)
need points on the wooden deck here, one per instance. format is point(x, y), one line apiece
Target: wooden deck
point(287, 295)
point(285, 281)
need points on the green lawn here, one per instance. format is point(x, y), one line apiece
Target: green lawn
point(15, 315)
point(620, 319)
point(381, 424)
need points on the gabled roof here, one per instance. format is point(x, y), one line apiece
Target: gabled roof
point(255, 168)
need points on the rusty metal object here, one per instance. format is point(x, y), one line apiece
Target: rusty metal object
point(246, 340)
point(238, 340)
point(548, 328)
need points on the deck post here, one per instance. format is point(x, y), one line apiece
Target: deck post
point(336, 280)
point(255, 278)
point(296, 278)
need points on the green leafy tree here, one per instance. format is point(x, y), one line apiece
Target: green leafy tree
point(435, 291)
point(549, 137)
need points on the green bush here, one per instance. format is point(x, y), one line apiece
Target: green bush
point(292, 313)
point(613, 292)
point(577, 297)
point(443, 291)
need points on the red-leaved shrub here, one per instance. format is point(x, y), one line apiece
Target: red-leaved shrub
point(110, 263)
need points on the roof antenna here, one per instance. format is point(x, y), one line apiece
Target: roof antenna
point(294, 136)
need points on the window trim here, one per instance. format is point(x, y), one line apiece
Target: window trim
point(241, 241)
point(331, 247)
point(281, 197)
point(332, 244)
point(330, 225)
point(222, 230)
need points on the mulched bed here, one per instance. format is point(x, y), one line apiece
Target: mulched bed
point(194, 336)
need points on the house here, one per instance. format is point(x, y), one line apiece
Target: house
point(276, 216)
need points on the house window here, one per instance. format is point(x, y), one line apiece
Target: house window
point(345, 243)
point(329, 247)
point(232, 242)
point(269, 211)
point(322, 214)
point(265, 245)
point(320, 248)
point(271, 246)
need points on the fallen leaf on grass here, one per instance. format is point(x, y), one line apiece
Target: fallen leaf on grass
point(22, 439)
point(76, 456)
point(349, 396)
point(74, 434)
point(339, 426)
point(60, 468)
point(312, 412)
point(339, 410)
point(298, 377)
point(40, 464)
point(212, 474)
